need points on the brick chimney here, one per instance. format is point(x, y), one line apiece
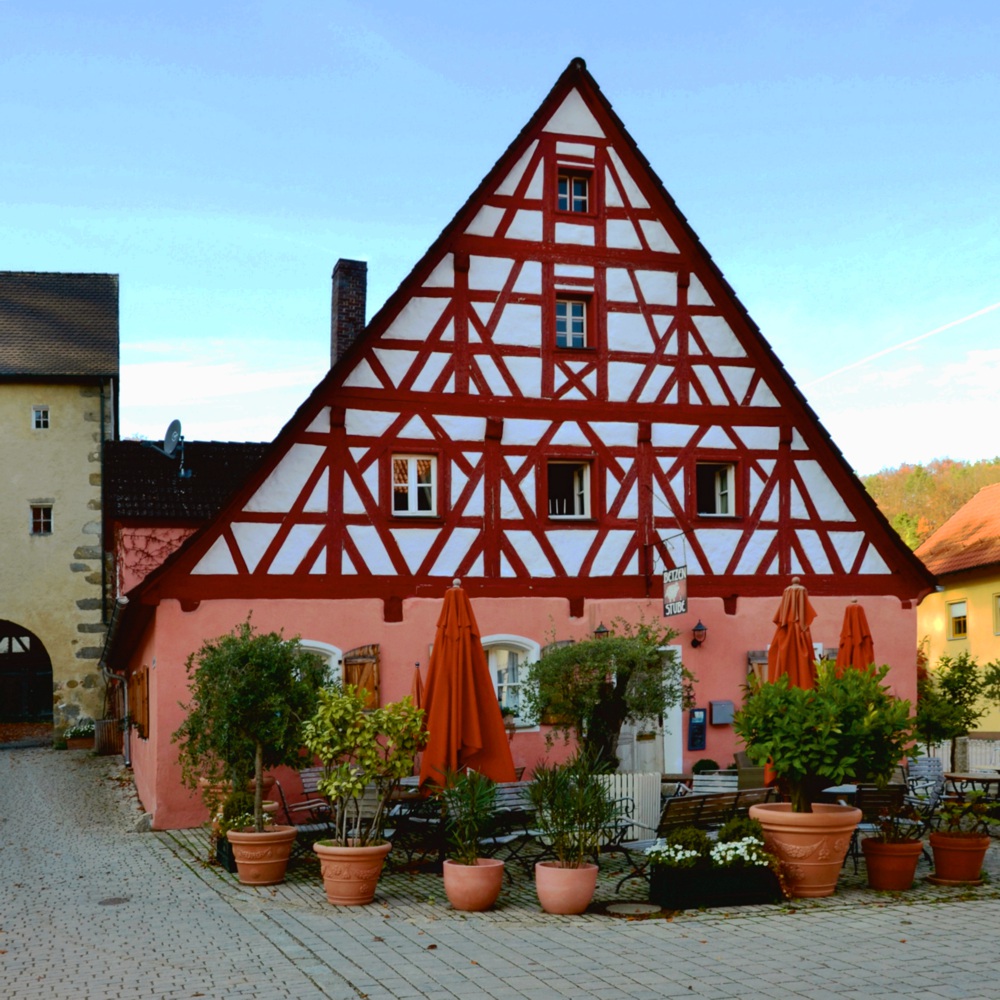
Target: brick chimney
point(347, 312)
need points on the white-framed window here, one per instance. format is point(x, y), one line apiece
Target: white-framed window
point(41, 519)
point(40, 418)
point(958, 626)
point(507, 656)
point(715, 488)
point(414, 485)
point(571, 322)
point(332, 656)
point(568, 485)
point(573, 194)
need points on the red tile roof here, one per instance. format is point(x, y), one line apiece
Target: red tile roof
point(970, 538)
point(58, 324)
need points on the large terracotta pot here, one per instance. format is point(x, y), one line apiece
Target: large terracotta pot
point(261, 858)
point(350, 874)
point(565, 890)
point(473, 887)
point(891, 867)
point(811, 846)
point(958, 859)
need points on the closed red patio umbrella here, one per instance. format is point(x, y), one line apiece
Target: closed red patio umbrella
point(791, 649)
point(856, 648)
point(464, 725)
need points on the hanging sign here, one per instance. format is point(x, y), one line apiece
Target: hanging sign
point(675, 591)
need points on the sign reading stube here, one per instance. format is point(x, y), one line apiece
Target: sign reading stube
point(675, 591)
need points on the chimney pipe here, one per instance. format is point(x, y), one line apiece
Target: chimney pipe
point(347, 312)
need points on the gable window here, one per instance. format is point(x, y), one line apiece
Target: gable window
point(957, 623)
point(571, 322)
point(568, 486)
point(715, 489)
point(40, 418)
point(414, 485)
point(573, 194)
point(41, 519)
point(508, 656)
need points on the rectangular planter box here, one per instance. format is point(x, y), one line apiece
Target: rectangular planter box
point(691, 888)
point(224, 854)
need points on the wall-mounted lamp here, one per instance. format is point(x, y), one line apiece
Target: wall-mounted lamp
point(698, 634)
point(600, 632)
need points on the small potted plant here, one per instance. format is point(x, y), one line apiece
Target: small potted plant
point(80, 736)
point(250, 695)
point(961, 840)
point(575, 814)
point(365, 754)
point(893, 848)
point(845, 728)
point(471, 882)
point(688, 870)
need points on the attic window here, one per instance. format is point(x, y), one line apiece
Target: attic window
point(41, 519)
point(715, 488)
point(414, 485)
point(569, 489)
point(957, 623)
point(40, 418)
point(573, 193)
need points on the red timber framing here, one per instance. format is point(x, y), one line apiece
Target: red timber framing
point(672, 385)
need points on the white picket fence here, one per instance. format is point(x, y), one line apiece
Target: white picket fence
point(643, 789)
point(972, 755)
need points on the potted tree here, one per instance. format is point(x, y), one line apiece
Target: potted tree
point(251, 693)
point(365, 754)
point(471, 882)
point(961, 840)
point(845, 728)
point(575, 814)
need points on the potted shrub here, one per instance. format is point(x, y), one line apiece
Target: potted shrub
point(845, 728)
point(470, 881)
point(575, 814)
point(961, 841)
point(80, 736)
point(688, 870)
point(251, 693)
point(893, 849)
point(364, 755)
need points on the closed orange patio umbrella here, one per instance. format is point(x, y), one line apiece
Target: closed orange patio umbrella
point(856, 648)
point(791, 649)
point(462, 716)
point(417, 687)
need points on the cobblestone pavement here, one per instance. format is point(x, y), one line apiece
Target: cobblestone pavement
point(92, 909)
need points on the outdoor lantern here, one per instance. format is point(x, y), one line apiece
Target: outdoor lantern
point(600, 632)
point(698, 634)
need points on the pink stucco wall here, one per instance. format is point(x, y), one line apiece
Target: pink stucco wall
point(719, 665)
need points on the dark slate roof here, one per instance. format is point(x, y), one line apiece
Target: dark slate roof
point(142, 484)
point(58, 324)
point(969, 539)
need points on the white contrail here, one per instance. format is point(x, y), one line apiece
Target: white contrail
point(905, 343)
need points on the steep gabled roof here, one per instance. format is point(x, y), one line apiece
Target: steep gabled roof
point(59, 325)
point(969, 539)
point(141, 484)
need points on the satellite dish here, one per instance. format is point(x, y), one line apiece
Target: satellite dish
point(172, 437)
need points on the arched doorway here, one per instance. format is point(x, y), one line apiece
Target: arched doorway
point(25, 676)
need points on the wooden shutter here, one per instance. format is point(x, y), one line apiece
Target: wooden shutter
point(138, 700)
point(361, 671)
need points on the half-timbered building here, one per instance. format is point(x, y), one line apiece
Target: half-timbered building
point(561, 401)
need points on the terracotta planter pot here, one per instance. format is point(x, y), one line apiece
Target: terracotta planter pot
point(79, 742)
point(473, 887)
point(811, 846)
point(565, 890)
point(261, 858)
point(958, 859)
point(891, 867)
point(350, 874)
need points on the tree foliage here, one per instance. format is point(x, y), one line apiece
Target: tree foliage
point(918, 499)
point(589, 689)
point(251, 693)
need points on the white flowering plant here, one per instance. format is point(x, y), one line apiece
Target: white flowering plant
point(740, 844)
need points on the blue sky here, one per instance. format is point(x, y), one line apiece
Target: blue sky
point(839, 161)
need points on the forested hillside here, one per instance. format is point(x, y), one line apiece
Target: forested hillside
point(917, 499)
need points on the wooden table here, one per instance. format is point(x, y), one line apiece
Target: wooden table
point(972, 781)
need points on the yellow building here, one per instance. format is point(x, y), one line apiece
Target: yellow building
point(58, 405)
point(964, 615)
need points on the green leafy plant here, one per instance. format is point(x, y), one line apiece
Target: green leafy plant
point(589, 689)
point(573, 808)
point(966, 817)
point(251, 693)
point(846, 727)
point(361, 749)
point(901, 825)
point(740, 844)
point(237, 812)
point(470, 809)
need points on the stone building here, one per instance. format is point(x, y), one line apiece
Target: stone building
point(58, 407)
